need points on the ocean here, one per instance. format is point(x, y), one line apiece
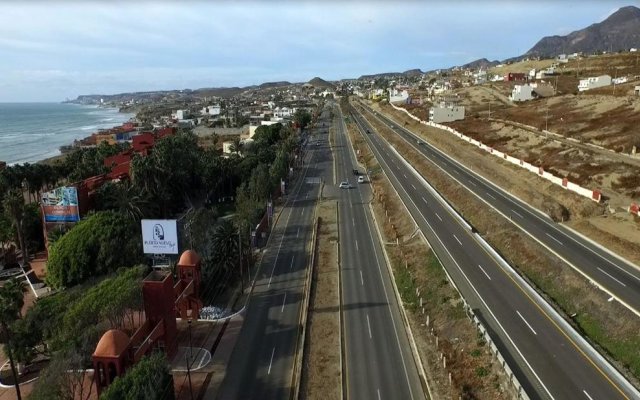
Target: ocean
point(31, 132)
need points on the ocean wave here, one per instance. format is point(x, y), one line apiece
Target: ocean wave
point(89, 128)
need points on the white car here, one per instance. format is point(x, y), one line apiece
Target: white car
point(345, 185)
point(361, 179)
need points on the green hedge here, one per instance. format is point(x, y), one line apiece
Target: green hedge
point(97, 245)
point(149, 379)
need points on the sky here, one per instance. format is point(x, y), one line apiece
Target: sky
point(51, 50)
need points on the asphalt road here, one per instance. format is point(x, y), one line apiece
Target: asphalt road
point(261, 366)
point(616, 276)
point(547, 360)
point(378, 363)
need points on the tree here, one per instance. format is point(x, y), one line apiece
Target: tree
point(11, 302)
point(226, 246)
point(302, 118)
point(149, 379)
point(15, 210)
point(97, 245)
point(124, 198)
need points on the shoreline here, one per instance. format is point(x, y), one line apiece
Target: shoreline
point(54, 155)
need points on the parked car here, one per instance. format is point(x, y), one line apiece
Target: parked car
point(345, 185)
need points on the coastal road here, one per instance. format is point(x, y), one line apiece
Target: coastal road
point(261, 366)
point(548, 358)
point(378, 363)
point(618, 277)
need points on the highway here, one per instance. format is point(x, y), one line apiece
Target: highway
point(616, 276)
point(261, 365)
point(548, 358)
point(378, 362)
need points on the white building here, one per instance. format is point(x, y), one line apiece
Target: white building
point(594, 82)
point(521, 93)
point(480, 77)
point(210, 110)
point(182, 114)
point(619, 81)
point(446, 113)
point(283, 112)
point(398, 95)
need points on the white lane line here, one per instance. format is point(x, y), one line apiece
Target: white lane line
point(271, 362)
point(455, 237)
point(361, 278)
point(291, 265)
point(413, 186)
point(298, 233)
point(554, 239)
point(283, 301)
point(490, 195)
point(610, 276)
point(302, 212)
point(525, 321)
point(517, 213)
point(405, 175)
point(353, 221)
point(587, 394)
point(473, 183)
point(484, 272)
point(456, 171)
point(380, 397)
point(369, 325)
point(425, 201)
point(357, 249)
point(438, 217)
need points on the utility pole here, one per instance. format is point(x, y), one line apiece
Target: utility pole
point(546, 123)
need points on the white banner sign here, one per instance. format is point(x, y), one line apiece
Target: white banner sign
point(159, 236)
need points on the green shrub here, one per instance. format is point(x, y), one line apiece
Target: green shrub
point(149, 379)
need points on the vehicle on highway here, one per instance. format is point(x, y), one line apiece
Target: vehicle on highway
point(318, 143)
point(368, 131)
point(345, 185)
point(361, 179)
point(356, 172)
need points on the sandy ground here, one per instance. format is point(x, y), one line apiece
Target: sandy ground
point(540, 193)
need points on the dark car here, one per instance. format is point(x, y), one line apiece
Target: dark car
point(356, 172)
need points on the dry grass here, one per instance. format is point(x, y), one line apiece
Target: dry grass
point(321, 373)
point(474, 376)
point(609, 325)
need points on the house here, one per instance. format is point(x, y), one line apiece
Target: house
point(480, 77)
point(636, 90)
point(182, 114)
point(594, 82)
point(633, 50)
point(515, 76)
point(619, 81)
point(532, 73)
point(521, 93)
point(446, 112)
point(397, 95)
point(210, 110)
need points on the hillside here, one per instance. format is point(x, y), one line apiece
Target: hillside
point(321, 83)
point(620, 31)
point(480, 63)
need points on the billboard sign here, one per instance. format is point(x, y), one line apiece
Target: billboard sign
point(61, 205)
point(159, 236)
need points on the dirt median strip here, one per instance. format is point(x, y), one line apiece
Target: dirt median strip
point(608, 325)
point(448, 337)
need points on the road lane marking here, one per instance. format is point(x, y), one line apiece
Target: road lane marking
point(283, 301)
point(357, 249)
point(456, 171)
point(369, 325)
point(298, 233)
point(438, 217)
point(425, 201)
point(413, 186)
point(271, 362)
point(611, 276)
point(457, 240)
point(302, 212)
point(379, 397)
point(473, 183)
point(353, 221)
point(361, 278)
point(490, 195)
point(291, 265)
point(485, 272)
point(517, 213)
point(587, 394)
point(554, 239)
point(525, 321)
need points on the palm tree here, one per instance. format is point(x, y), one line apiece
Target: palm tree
point(226, 248)
point(14, 209)
point(126, 198)
point(11, 302)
